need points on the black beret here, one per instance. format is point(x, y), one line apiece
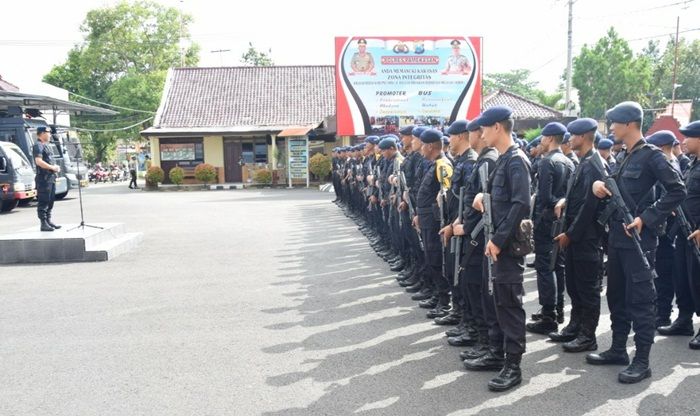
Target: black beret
point(625, 112)
point(553, 129)
point(431, 136)
point(581, 126)
point(473, 125)
point(458, 127)
point(691, 130)
point(493, 115)
point(387, 143)
point(407, 131)
point(662, 138)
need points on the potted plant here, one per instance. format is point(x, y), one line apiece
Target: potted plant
point(262, 176)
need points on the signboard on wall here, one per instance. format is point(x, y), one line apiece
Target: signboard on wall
point(298, 160)
point(385, 83)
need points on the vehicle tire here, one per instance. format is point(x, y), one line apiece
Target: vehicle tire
point(61, 195)
point(8, 205)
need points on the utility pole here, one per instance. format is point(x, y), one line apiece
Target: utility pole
point(675, 67)
point(569, 59)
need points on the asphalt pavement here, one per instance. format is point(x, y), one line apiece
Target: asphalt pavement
point(268, 302)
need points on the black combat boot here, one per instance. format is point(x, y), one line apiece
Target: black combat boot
point(458, 330)
point(58, 227)
point(568, 333)
point(639, 369)
point(493, 360)
point(510, 376)
point(545, 325)
point(430, 303)
point(464, 340)
point(442, 308)
point(454, 317)
point(663, 321)
point(616, 355)
point(410, 281)
point(45, 225)
point(415, 288)
point(683, 325)
point(397, 266)
point(585, 340)
point(479, 349)
point(694, 343)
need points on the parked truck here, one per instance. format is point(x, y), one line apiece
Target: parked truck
point(16, 177)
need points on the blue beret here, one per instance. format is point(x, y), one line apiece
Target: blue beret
point(553, 129)
point(431, 136)
point(566, 138)
point(418, 130)
point(406, 131)
point(598, 138)
point(42, 129)
point(493, 115)
point(390, 136)
point(534, 142)
point(445, 140)
point(691, 130)
point(387, 142)
point(662, 138)
point(625, 112)
point(581, 126)
point(458, 127)
point(605, 144)
point(473, 125)
point(372, 139)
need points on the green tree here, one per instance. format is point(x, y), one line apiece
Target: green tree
point(122, 60)
point(687, 77)
point(254, 57)
point(550, 100)
point(608, 73)
point(516, 81)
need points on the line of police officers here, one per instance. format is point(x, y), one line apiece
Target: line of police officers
point(457, 222)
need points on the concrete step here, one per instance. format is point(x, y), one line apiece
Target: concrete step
point(113, 248)
point(69, 244)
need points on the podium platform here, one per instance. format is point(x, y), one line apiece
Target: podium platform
point(63, 246)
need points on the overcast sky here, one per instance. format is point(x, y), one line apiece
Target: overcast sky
point(517, 34)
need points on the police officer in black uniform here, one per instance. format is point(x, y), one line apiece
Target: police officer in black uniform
point(554, 171)
point(631, 293)
point(464, 161)
point(510, 194)
point(688, 265)
point(581, 243)
point(435, 181)
point(45, 179)
point(472, 279)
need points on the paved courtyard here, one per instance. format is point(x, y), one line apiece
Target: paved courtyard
point(268, 302)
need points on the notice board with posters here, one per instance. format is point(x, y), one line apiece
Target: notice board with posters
point(385, 83)
point(298, 162)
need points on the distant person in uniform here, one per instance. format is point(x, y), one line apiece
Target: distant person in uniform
point(133, 166)
point(362, 61)
point(457, 63)
point(45, 179)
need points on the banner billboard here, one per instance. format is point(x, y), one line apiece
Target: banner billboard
point(384, 83)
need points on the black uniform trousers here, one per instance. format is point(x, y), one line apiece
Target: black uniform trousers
point(508, 332)
point(583, 261)
point(687, 278)
point(46, 193)
point(631, 296)
point(664, 280)
point(470, 284)
point(550, 284)
point(430, 227)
